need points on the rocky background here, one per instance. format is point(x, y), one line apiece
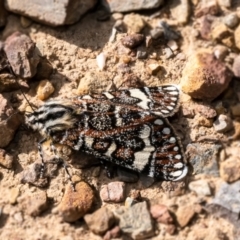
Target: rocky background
point(62, 49)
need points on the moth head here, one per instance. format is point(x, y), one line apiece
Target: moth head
point(51, 117)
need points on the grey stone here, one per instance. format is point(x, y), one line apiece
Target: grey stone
point(231, 20)
point(131, 5)
point(54, 13)
point(228, 196)
point(223, 123)
point(201, 187)
point(203, 158)
point(136, 221)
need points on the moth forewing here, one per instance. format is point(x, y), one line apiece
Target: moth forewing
point(127, 127)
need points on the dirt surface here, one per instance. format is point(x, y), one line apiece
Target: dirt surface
point(72, 51)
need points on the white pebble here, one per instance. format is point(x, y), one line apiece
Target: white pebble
point(101, 60)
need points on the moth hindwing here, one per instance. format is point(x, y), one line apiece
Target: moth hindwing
point(126, 127)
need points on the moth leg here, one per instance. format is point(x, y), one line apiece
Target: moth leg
point(63, 163)
point(108, 168)
point(41, 156)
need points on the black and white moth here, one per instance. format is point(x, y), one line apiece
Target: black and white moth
point(128, 128)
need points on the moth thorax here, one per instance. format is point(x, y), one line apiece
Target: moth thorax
point(51, 117)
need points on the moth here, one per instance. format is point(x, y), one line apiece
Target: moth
point(128, 128)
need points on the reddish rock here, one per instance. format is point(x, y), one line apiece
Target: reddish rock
point(184, 215)
point(205, 77)
point(34, 203)
point(230, 169)
point(75, 204)
point(205, 27)
point(22, 55)
point(9, 122)
point(161, 214)
point(32, 175)
point(113, 192)
point(205, 110)
point(113, 233)
point(6, 160)
point(100, 221)
point(210, 8)
point(133, 40)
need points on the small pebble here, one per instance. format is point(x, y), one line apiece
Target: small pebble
point(18, 216)
point(231, 20)
point(223, 124)
point(236, 66)
point(113, 192)
point(168, 53)
point(205, 77)
point(45, 89)
point(117, 16)
point(205, 110)
point(180, 11)
point(202, 121)
point(133, 40)
point(200, 187)
point(25, 22)
point(156, 33)
point(225, 3)
point(14, 193)
point(35, 203)
point(135, 221)
point(173, 45)
point(113, 233)
point(134, 23)
point(101, 60)
point(142, 54)
point(129, 202)
point(220, 52)
point(153, 68)
point(169, 34)
point(75, 204)
point(230, 169)
point(235, 109)
point(113, 35)
point(100, 221)
point(6, 160)
point(161, 214)
point(184, 215)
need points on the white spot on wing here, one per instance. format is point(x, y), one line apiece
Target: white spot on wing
point(176, 148)
point(142, 96)
point(89, 142)
point(111, 149)
point(108, 95)
point(178, 165)
point(145, 132)
point(86, 97)
point(172, 140)
point(166, 131)
point(142, 157)
point(158, 122)
point(178, 156)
